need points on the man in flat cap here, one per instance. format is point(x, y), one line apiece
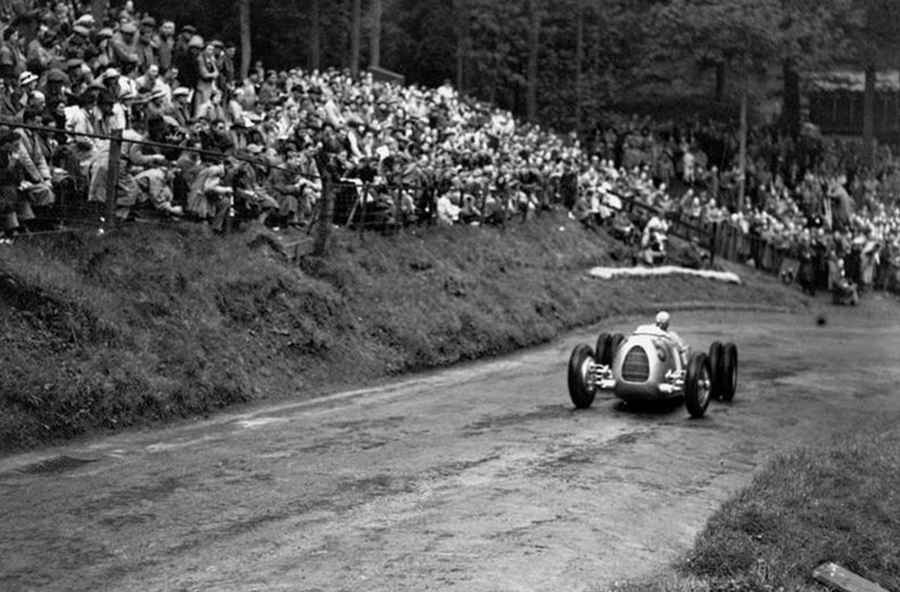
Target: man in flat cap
point(146, 48)
point(78, 44)
point(122, 45)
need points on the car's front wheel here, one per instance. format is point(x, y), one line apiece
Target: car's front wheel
point(603, 350)
point(581, 393)
point(697, 385)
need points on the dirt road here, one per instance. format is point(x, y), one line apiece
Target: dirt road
point(477, 478)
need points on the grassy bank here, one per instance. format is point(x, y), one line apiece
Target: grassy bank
point(153, 323)
point(806, 508)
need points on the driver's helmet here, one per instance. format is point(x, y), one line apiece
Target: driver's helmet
point(662, 320)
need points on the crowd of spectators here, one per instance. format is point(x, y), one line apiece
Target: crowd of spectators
point(257, 148)
point(810, 199)
point(260, 148)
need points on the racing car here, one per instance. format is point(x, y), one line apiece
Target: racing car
point(647, 366)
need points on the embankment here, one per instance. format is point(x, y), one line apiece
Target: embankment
point(157, 323)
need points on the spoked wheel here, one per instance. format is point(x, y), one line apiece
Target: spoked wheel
point(580, 363)
point(697, 385)
point(728, 375)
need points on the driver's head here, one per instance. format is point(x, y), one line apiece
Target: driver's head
point(662, 320)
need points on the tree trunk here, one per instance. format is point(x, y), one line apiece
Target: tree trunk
point(579, 59)
point(534, 38)
point(791, 99)
point(315, 46)
point(99, 8)
point(246, 48)
point(869, 117)
point(462, 40)
point(375, 34)
point(742, 175)
point(355, 26)
point(720, 81)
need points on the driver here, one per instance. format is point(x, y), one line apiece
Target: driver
point(662, 323)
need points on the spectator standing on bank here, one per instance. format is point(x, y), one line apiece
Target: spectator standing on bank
point(207, 76)
point(165, 46)
point(12, 58)
point(122, 44)
point(145, 47)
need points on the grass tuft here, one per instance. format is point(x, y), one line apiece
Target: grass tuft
point(805, 508)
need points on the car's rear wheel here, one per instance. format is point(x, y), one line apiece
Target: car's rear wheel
point(697, 385)
point(603, 351)
point(728, 376)
point(580, 362)
point(715, 369)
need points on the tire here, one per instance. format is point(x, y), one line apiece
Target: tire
point(716, 353)
point(615, 342)
point(603, 350)
point(729, 373)
point(581, 395)
point(696, 385)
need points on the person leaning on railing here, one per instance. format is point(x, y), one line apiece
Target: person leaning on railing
point(14, 210)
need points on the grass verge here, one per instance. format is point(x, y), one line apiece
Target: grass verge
point(154, 323)
point(806, 508)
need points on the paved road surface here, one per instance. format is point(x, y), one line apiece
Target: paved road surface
point(478, 478)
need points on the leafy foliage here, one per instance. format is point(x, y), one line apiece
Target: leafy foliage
point(633, 49)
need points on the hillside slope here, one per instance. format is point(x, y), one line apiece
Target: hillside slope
point(154, 323)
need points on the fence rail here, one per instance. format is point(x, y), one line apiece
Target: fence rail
point(365, 206)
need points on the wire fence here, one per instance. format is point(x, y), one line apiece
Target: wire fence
point(366, 206)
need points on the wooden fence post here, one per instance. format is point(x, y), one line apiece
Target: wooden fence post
point(362, 211)
point(326, 212)
point(483, 211)
point(112, 176)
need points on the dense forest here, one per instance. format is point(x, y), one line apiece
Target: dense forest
point(566, 62)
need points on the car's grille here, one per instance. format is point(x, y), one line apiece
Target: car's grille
point(636, 366)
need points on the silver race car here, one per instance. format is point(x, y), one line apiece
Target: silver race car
point(651, 366)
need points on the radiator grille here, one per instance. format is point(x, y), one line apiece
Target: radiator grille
point(636, 366)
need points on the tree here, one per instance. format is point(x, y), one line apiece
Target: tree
point(315, 44)
point(744, 34)
point(460, 19)
point(875, 42)
point(246, 48)
point(534, 40)
point(579, 60)
point(375, 35)
point(813, 35)
point(355, 33)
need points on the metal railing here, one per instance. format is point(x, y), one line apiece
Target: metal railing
point(367, 206)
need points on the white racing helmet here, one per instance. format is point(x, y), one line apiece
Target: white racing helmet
point(662, 320)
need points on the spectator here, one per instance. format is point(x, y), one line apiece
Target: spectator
point(207, 77)
point(124, 54)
